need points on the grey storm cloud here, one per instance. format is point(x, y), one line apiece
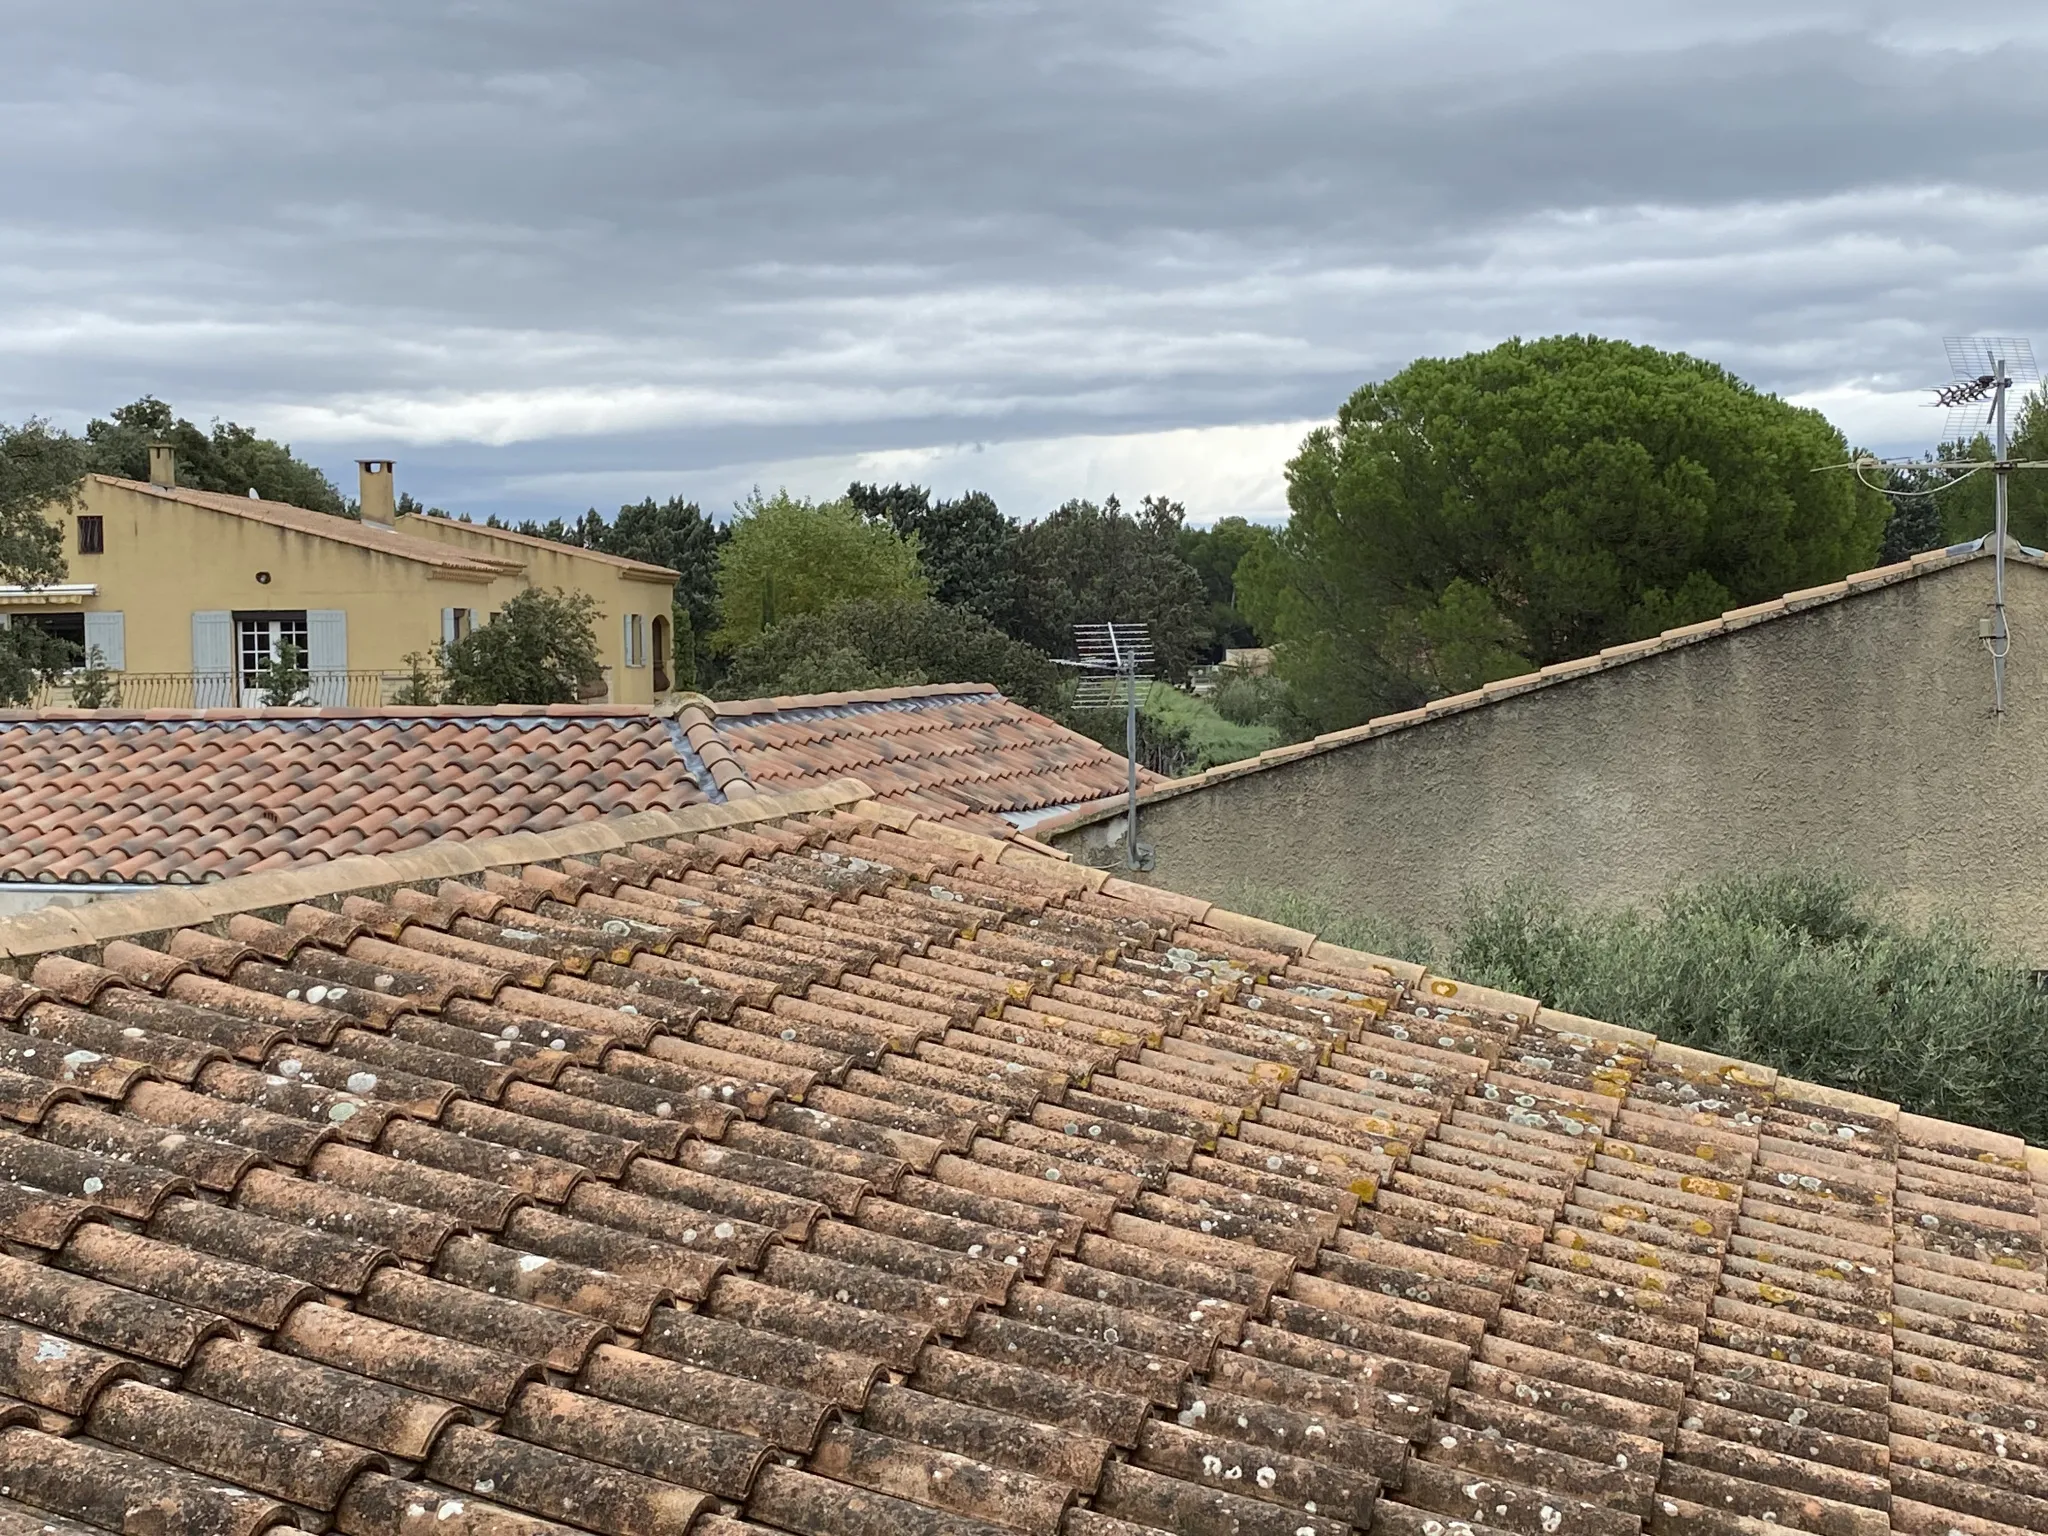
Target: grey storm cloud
point(541, 248)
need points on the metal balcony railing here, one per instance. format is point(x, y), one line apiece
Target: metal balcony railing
point(218, 690)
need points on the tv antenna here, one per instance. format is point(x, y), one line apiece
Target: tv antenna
point(1983, 371)
point(1112, 659)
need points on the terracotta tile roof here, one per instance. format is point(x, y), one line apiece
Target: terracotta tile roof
point(137, 800)
point(1731, 622)
point(958, 752)
point(341, 530)
point(107, 797)
point(797, 1165)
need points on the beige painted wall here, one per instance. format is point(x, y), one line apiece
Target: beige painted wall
point(619, 590)
point(165, 559)
point(1859, 731)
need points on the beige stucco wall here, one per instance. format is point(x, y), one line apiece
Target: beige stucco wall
point(165, 559)
point(1859, 732)
point(619, 590)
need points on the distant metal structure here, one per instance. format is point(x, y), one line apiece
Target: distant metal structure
point(1984, 370)
point(1113, 660)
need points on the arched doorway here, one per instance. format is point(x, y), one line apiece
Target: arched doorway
point(664, 653)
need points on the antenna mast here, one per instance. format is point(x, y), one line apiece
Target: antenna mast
point(1112, 662)
point(1986, 367)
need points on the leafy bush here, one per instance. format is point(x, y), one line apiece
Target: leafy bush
point(1805, 971)
point(889, 643)
point(541, 649)
point(282, 680)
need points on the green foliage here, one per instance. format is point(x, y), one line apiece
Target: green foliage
point(282, 680)
point(1806, 971)
point(1166, 734)
point(1583, 492)
point(1215, 553)
point(889, 643)
point(39, 467)
point(683, 649)
point(95, 685)
point(231, 458)
point(1914, 526)
point(542, 649)
point(1265, 702)
point(967, 547)
point(786, 557)
point(1089, 564)
point(1211, 738)
point(422, 685)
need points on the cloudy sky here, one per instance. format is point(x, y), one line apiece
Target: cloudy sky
point(550, 254)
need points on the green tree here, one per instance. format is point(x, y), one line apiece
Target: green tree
point(967, 547)
point(231, 458)
point(1089, 564)
point(282, 680)
point(1215, 553)
point(889, 643)
point(40, 468)
point(95, 685)
point(422, 685)
point(1479, 516)
point(541, 649)
point(786, 556)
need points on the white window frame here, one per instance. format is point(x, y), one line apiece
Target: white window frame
point(635, 649)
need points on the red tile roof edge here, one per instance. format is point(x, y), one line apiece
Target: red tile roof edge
point(1855, 585)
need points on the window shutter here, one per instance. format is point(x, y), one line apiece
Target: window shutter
point(626, 642)
point(476, 619)
point(107, 634)
point(448, 626)
point(327, 656)
point(213, 659)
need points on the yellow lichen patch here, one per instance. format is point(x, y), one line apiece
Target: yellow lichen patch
point(1568, 1237)
point(1612, 1088)
point(1273, 1072)
point(1703, 1228)
point(1444, 988)
point(1376, 1006)
point(1020, 990)
point(1374, 1125)
point(1632, 1212)
point(1647, 1257)
point(1613, 1223)
point(1582, 1260)
point(1707, 1152)
point(1713, 1189)
point(1649, 1301)
point(1396, 1150)
point(1743, 1077)
point(1619, 1149)
point(1365, 1188)
point(2007, 1261)
point(1775, 1295)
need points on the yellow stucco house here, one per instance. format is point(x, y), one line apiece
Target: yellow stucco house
point(186, 593)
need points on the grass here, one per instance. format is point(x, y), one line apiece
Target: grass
point(1214, 739)
point(1809, 972)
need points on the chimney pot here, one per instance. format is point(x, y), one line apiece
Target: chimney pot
point(163, 464)
point(374, 492)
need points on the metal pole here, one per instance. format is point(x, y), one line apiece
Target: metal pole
point(1999, 645)
point(1131, 768)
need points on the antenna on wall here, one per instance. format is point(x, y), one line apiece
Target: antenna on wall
point(1984, 370)
point(1112, 660)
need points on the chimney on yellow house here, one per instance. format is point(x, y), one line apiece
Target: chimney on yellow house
point(163, 464)
point(379, 503)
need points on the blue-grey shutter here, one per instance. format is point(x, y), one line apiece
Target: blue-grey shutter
point(327, 656)
point(213, 659)
point(107, 633)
